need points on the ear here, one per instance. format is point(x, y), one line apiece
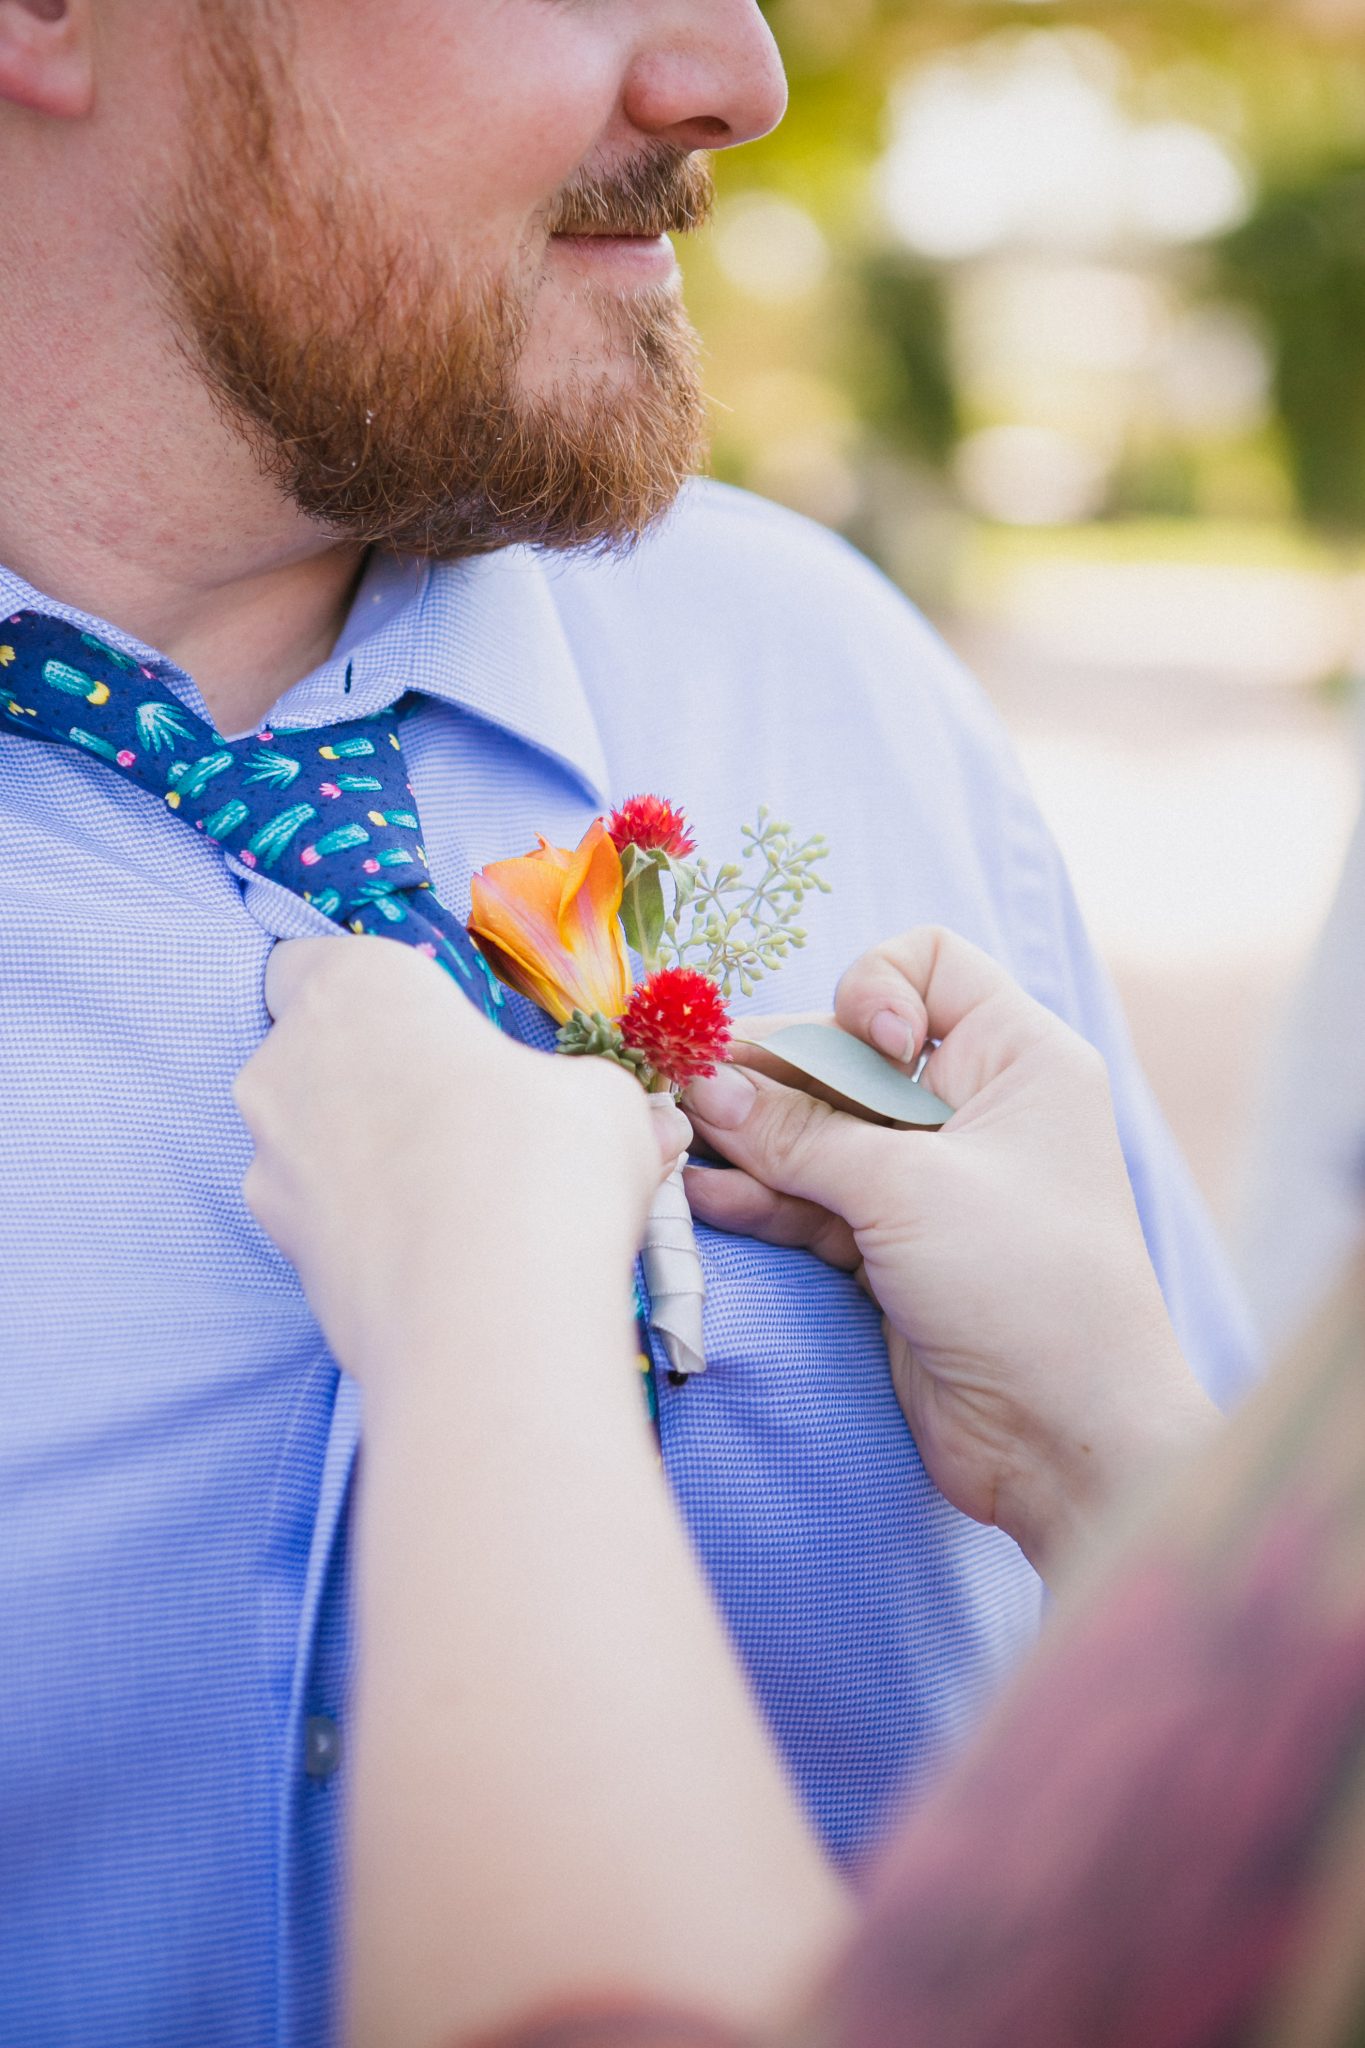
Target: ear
point(47, 56)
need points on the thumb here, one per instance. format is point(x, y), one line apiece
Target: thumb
point(931, 983)
point(792, 1143)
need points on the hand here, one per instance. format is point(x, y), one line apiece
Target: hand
point(1029, 1344)
point(401, 1139)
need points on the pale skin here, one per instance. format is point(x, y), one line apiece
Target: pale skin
point(526, 1625)
point(151, 510)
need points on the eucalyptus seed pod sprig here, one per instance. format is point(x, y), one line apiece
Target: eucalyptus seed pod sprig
point(740, 921)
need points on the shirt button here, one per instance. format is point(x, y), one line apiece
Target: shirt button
point(321, 1746)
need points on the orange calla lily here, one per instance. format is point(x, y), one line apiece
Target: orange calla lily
point(548, 924)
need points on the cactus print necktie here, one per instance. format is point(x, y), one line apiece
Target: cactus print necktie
point(327, 812)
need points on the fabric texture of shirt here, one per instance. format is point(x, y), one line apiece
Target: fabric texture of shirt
point(176, 1446)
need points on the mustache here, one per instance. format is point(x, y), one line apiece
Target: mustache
point(668, 192)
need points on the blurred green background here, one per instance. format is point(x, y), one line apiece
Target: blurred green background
point(1031, 266)
point(1059, 313)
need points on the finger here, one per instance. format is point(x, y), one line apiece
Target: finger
point(757, 1027)
point(672, 1131)
point(929, 983)
point(291, 966)
point(792, 1143)
point(737, 1203)
point(365, 967)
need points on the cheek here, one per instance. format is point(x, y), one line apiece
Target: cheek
point(466, 114)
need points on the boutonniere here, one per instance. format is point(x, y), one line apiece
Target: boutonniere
point(556, 925)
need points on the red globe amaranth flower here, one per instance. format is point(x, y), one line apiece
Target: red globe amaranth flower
point(678, 1020)
point(649, 822)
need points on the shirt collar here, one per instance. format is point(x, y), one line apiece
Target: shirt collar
point(482, 635)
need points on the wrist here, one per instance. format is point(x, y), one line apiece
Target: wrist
point(1053, 1501)
point(543, 1315)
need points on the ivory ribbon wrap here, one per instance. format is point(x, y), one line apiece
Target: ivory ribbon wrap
point(673, 1276)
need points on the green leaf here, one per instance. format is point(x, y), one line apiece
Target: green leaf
point(643, 912)
point(684, 873)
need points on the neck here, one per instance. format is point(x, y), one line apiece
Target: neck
point(244, 629)
point(127, 495)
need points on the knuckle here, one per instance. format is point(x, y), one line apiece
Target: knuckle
point(888, 967)
point(350, 972)
point(919, 947)
point(876, 963)
point(787, 1127)
point(363, 972)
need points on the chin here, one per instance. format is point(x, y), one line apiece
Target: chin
point(578, 356)
point(587, 386)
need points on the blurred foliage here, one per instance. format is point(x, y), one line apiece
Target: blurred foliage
point(1299, 263)
point(912, 395)
point(851, 398)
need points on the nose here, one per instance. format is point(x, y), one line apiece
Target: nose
point(706, 76)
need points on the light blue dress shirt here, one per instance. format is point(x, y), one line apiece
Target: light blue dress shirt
point(175, 1443)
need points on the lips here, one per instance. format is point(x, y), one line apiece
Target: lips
point(627, 259)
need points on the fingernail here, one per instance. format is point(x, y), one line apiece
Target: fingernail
point(892, 1035)
point(723, 1099)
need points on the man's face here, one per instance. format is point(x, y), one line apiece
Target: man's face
point(421, 252)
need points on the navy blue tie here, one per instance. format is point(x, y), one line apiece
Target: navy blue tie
point(327, 812)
